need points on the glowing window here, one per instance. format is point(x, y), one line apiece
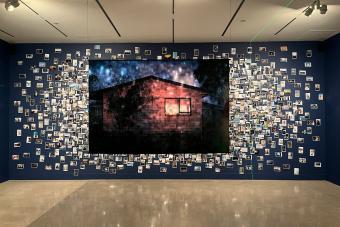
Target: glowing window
point(176, 106)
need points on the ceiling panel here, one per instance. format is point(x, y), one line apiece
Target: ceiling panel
point(151, 21)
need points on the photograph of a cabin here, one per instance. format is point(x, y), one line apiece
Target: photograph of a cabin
point(153, 114)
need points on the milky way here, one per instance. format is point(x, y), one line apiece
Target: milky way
point(111, 73)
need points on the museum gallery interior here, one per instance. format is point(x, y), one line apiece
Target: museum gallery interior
point(160, 113)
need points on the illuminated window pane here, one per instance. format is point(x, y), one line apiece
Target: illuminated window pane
point(171, 107)
point(184, 106)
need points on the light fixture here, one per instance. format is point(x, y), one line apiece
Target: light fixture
point(310, 9)
point(323, 9)
point(10, 5)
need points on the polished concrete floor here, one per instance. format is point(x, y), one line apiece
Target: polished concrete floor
point(165, 203)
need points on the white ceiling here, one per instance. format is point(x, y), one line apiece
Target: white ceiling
point(151, 21)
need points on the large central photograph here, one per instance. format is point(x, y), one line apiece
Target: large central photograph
point(158, 107)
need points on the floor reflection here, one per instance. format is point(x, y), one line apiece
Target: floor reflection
point(163, 203)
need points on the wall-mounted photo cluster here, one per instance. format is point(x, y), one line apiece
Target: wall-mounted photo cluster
point(275, 113)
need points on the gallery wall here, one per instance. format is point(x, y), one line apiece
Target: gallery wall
point(276, 127)
point(4, 89)
point(332, 52)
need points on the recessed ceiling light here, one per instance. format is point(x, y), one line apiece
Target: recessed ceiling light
point(10, 5)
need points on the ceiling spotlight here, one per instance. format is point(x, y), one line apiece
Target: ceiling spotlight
point(323, 9)
point(10, 5)
point(309, 10)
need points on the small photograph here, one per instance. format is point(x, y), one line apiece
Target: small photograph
point(293, 71)
point(300, 150)
point(77, 54)
point(65, 167)
point(320, 96)
point(20, 166)
point(97, 47)
point(264, 61)
point(296, 171)
point(314, 106)
point(262, 49)
point(137, 50)
point(294, 55)
point(308, 64)
point(284, 48)
point(302, 160)
point(283, 59)
point(241, 170)
point(300, 140)
point(76, 172)
point(257, 57)
point(309, 53)
point(127, 52)
point(271, 53)
point(249, 50)
point(15, 157)
point(120, 56)
point(183, 169)
point(316, 138)
point(29, 56)
point(57, 50)
point(147, 52)
point(196, 52)
point(17, 144)
point(215, 48)
point(34, 165)
point(302, 72)
point(22, 76)
point(183, 56)
point(286, 166)
point(270, 162)
point(277, 169)
point(318, 122)
point(312, 152)
point(108, 51)
point(233, 51)
point(225, 55)
point(290, 155)
point(57, 166)
point(164, 50)
point(317, 164)
point(309, 78)
point(46, 57)
point(317, 87)
point(39, 51)
point(140, 169)
point(87, 52)
point(197, 168)
point(163, 169)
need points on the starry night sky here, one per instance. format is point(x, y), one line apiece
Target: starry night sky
point(111, 73)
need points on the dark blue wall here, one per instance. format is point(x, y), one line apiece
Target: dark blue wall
point(4, 91)
point(332, 75)
point(307, 170)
